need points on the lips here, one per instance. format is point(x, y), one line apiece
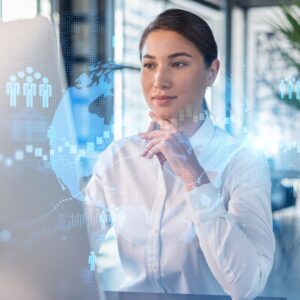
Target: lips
point(163, 97)
point(163, 100)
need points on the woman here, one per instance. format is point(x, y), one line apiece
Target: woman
point(195, 201)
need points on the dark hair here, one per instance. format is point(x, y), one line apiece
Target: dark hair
point(190, 26)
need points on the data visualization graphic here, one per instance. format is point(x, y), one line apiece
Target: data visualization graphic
point(72, 145)
point(51, 139)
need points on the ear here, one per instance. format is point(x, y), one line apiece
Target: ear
point(213, 72)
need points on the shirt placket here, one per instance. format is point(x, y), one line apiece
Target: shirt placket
point(153, 253)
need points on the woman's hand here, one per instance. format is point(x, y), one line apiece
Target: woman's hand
point(177, 149)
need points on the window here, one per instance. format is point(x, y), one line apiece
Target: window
point(16, 9)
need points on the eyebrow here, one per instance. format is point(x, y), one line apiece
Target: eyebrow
point(170, 56)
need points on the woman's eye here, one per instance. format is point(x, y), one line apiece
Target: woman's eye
point(148, 66)
point(179, 64)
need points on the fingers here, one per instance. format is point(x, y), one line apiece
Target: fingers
point(155, 137)
point(154, 150)
point(148, 149)
point(151, 134)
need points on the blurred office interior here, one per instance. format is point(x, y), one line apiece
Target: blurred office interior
point(256, 94)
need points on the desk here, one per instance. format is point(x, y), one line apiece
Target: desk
point(150, 296)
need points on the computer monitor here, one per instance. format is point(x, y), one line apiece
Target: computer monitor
point(44, 246)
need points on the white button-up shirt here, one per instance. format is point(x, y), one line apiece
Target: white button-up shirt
point(214, 239)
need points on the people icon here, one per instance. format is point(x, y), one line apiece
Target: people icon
point(112, 217)
point(45, 91)
point(13, 90)
point(289, 88)
point(29, 88)
point(29, 91)
point(282, 88)
point(92, 261)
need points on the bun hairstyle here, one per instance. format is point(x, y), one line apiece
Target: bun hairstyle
point(190, 26)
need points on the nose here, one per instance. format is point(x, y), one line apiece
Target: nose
point(162, 78)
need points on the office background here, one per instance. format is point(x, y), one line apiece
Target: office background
point(256, 95)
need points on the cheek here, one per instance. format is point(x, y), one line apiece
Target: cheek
point(192, 84)
point(146, 83)
point(146, 88)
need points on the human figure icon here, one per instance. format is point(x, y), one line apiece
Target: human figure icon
point(103, 219)
point(29, 91)
point(282, 88)
point(13, 90)
point(112, 217)
point(92, 261)
point(290, 89)
point(45, 91)
point(297, 89)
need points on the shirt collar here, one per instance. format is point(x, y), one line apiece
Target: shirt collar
point(203, 134)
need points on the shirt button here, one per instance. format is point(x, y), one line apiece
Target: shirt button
point(154, 231)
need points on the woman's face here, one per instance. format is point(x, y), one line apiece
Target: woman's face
point(173, 67)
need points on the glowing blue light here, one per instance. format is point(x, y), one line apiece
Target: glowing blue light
point(5, 235)
point(29, 70)
point(21, 74)
point(19, 155)
point(37, 75)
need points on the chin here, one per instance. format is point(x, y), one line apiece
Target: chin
point(165, 115)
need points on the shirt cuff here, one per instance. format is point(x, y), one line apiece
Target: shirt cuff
point(205, 203)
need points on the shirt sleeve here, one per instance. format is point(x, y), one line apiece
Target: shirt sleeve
point(238, 243)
